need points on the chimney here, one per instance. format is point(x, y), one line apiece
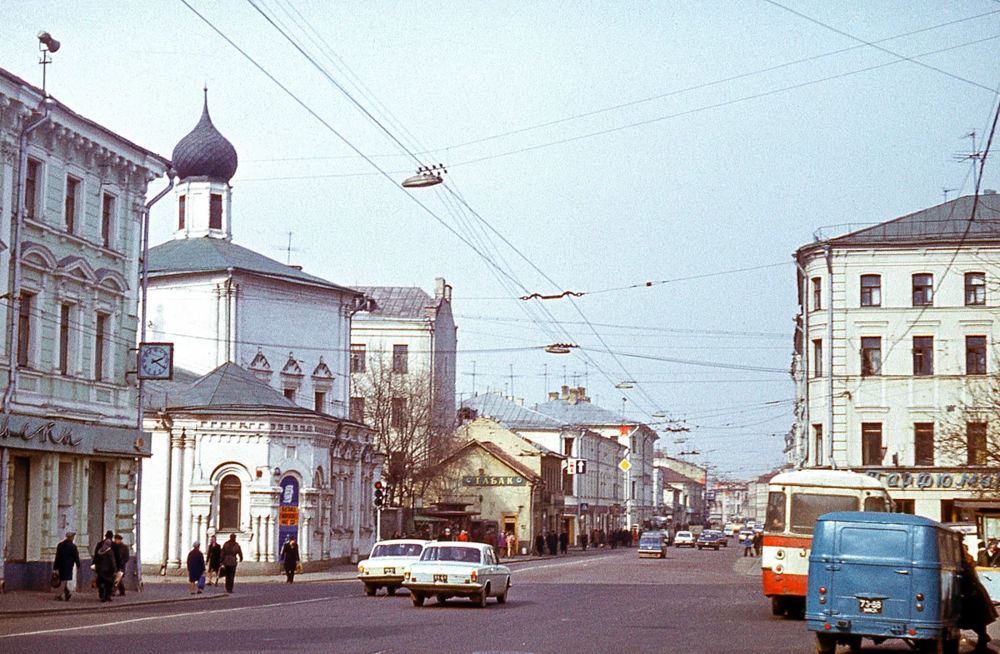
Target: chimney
point(519, 400)
point(574, 395)
point(439, 287)
point(565, 393)
point(553, 396)
point(582, 394)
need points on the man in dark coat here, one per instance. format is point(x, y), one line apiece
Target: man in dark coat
point(230, 552)
point(563, 542)
point(290, 558)
point(67, 557)
point(539, 545)
point(106, 567)
point(124, 554)
point(553, 542)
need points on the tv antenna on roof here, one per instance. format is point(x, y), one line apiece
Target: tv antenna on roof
point(973, 156)
point(289, 249)
point(946, 191)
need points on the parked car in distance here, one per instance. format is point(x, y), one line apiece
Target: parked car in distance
point(653, 544)
point(684, 539)
point(456, 569)
point(744, 534)
point(712, 539)
point(731, 529)
point(387, 564)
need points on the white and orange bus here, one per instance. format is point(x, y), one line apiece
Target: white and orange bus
point(794, 501)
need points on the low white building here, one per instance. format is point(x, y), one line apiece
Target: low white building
point(895, 363)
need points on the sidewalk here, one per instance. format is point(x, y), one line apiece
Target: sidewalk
point(167, 589)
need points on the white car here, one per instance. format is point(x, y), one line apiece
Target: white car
point(456, 569)
point(684, 539)
point(388, 563)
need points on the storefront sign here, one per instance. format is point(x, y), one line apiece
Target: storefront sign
point(492, 480)
point(928, 480)
point(22, 432)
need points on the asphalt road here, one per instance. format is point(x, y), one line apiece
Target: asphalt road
point(605, 603)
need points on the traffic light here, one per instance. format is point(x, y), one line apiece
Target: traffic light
point(378, 494)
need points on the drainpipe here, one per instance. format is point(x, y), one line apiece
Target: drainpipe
point(829, 347)
point(804, 304)
point(12, 353)
point(142, 339)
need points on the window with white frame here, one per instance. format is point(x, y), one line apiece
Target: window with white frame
point(871, 290)
point(65, 337)
point(923, 290)
point(975, 289)
point(818, 357)
point(107, 219)
point(72, 204)
point(32, 185)
point(923, 355)
point(817, 293)
point(100, 336)
point(871, 355)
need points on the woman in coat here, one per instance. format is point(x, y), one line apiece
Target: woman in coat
point(214, 555)
point(195, 566)
point(290, 558)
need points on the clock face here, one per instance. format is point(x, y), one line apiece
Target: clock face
point(156, 361)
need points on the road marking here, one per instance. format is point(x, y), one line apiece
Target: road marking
point(557, 565)
point(162, 617)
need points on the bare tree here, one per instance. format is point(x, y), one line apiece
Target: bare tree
point(968, 431)
point(397, 404)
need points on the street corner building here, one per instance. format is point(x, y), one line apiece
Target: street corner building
point(253, 436)
point(895, 365)
point(72, 197)
point(231, 455)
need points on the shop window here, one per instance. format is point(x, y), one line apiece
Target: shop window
point(230, 498)
point(905, 506)
point(871, 290)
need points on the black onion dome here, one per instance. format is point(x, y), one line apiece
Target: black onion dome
point(204, 152)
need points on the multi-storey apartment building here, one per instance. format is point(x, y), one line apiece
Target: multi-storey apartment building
point(895, 363)
point(71, 209)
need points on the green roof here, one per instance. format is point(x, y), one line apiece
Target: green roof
point(206, 254)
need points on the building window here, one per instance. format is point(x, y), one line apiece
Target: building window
point(871, 443)
point(107, 218)
point(215, 211)
point(923, 355)
point(290, 394)
point(357, 357)
point(975, 433)
point(181, 211)
point(923, 290)
point(818, 357)
point(102, 325)
point(568, 446)
point(72, 187)
point(975, 355)
point(400, 354)
point(817, 293)
point(230, 494)
point(905, 506)
point(64, 314)
point(975, 288)
point(357, 409)
point(923, 443)
point(31, 187)
point(24, 329)
point(398, 417)
point(319, 402)
point(871, 355)
point(818, 440)
point(871, 290)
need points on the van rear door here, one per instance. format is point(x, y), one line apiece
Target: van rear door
point(871, 571)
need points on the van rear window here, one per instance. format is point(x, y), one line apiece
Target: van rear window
point(807, 507)
point(881, 542)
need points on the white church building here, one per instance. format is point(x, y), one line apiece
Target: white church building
point(252, 436)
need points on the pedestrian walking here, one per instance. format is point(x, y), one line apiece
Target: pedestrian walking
point(977, 608)
point(758, 542)
point(196, 567)
point(502, 543)
point(539, 545)
point(106, 567)
point(553, 543)
point(124, 554)
point(67, 558)
point(290, 559)
point(511, 545)
point(563, 542)
point(231, 551)
point(213, 554)
point(583, 541)
point(748, 546)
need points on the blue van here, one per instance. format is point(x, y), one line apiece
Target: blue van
point(881, 576)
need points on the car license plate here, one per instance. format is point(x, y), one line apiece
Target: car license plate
point(389, 571)
point(870, 606)
point(442, 579)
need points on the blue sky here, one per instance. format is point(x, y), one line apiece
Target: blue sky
point(601, 146)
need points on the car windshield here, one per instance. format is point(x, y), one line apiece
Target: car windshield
point(397, 549)
point(462, 554)
point(650, 540)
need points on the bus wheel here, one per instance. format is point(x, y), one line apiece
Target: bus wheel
point(826, 643)
point(777, 606)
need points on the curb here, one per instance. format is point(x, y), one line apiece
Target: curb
point(115, 607)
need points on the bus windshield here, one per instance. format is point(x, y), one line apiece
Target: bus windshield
point(807, 507)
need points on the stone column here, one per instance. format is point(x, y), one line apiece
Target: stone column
point(174, 521)
point(187, 471)
point(269, 554)
point(256, 521)
point(305, 538)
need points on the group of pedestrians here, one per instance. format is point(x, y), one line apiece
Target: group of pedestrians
point(553, 542)
point(108, 564)
point(217, 560)
point(753, 544)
